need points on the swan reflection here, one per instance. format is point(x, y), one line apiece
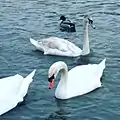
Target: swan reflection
point(61, 112)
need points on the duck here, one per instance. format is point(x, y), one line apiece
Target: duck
point(62, 47)
point(66, 25)
point(78, 81)
point(13, 89)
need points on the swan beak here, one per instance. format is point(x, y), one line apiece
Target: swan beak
point(51, 84)
point(91, 23)
point(93, 26)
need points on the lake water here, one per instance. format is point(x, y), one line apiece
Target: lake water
point(22, 19)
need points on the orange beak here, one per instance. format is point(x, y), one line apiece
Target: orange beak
point(51, 84)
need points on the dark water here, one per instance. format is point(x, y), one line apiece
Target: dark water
point(22, 19)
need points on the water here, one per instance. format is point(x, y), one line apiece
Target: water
point(20, 20)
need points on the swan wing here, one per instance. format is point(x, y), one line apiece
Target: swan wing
point(85, 78)
point(57, 46)
point(48, 43)
point(61, 47)
point(12, 91)
point(9, 88)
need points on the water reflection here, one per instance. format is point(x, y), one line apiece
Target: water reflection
point(83, 60)
point(62, 111)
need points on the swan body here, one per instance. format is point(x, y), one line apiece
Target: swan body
point(62, 47)
point(13, 90)
point(78, 81)
point(66, 25)
point(57, 46)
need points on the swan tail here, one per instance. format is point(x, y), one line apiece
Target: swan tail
point(102, 64)
point(37, 44)
point(101, 67)
point(34, 42)
point(25, 84)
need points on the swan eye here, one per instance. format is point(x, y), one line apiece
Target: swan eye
point(51, 78)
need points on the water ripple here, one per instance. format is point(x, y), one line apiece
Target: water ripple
point(20, 20)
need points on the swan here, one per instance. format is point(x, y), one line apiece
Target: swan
point(13, 90)
point(66, 25)
point(62, 47)
point(78, 81)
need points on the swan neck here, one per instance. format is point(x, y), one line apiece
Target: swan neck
point(61, 90)
point(86, 49)
point(64, 74)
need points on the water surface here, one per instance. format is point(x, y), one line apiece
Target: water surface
point(20, 20)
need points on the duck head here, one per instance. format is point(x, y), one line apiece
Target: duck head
point(63, 18)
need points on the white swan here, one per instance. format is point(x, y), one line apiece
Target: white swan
point(12, 91)
point(62, 47)
point(78, 81)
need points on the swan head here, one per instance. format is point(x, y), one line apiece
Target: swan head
point(88, 19)
point(54, 70)
point(51, 81)
point(52, 73)
point(63, 18)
